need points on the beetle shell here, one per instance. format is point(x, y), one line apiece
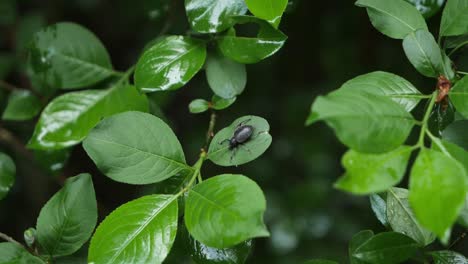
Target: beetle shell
point(243, 133)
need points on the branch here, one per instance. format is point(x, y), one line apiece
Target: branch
point(210, 133)
point(10, 239)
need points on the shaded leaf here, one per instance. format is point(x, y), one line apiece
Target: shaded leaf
point(220, 153)
point(379, 207)
point(225, 210)
point(22, 105)
point(7, 174)
point(448, 257)
point(135, 148)
point(423, 52)
point(456, 133)
point(219, 103)
point(66, 55)
point(67, 119)
point(169, 64)
point(401, 217)
point(11, 253)
point(454, 18)
point(365, 122)
point(226, 78)
point(356, 241)
point(396, 18)
point(68, 219)
point(203, 254)
point(140, 231)
point(459, 96)
point(373, 173)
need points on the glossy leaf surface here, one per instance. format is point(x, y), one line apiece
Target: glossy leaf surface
point(140, 231)
point(220, 153)
point(456, 133)
point(454, 18)
point(387, 84)
point(269, 10)
point(225, 210)
point(203, 254)
point(386, 248)
point(438, 187)
point(356, 241)
point(68, 219)
point(226, 78)
point(365, 122)
point(373, 173)
point(396, 18)
point(135, 148)
point(22, 105)
point(448, 257)
point(11, 253)
point(211, 16)
point(423, 52)
point(402, 219)
point(251, 49)
point(169, 64)
point(428, 8)
point(66, 55)
point(67, 120)
point(7, 174)
point(379, 207)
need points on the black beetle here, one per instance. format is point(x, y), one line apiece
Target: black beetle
point(242, 134)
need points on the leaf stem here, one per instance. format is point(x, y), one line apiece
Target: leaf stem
point(419, 96)
point(196, 174)
point(426, 119)
point(457, 48)
point(9, 239)
point(462, 72)
point(436, 140)
point(209, 133)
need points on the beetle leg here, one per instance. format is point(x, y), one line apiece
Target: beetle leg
point(232, 155)
point(222, 142)
point(246, 148)
point(244, 122)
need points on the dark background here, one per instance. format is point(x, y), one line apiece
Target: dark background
point(329, 42)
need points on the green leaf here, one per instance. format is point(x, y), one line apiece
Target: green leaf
point(29, 236)
point(7, 174)
point(211, 16)
point(203, 254)
point(22, 105)
point(140, 231)
point(135, 148)
point(424, 53)
point(386, 248)
point(68, 219)
point(52, 161)
point(396, 18)
point(401, 217)
point(219, 151)
point(454, 18)
point(198, 106)
point(379, 207)
point(225, 210)
point(169, 64)
point(226, 78)
point(356, 241)
point(219, 103)
point(251, 49)
point(67, 120)
point(269, 10)
point(373, 173)
point(453, 150)
point(365, 122)
point(11, 253)
point(67, 55)
point(454, 42)
point(459, 96)
point(387, 84)
point(427, 8)
point(438, 186)
point(448, 257)
point(456, 133)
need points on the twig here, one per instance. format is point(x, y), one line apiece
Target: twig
point(459, 239)
point(9, 239)
point(8, 86)
point(210, 133)
point(8, 138)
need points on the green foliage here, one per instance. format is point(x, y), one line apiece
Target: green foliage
point(11, 253)
point(169, 64)
point(269, 10)
point(226, 78)
point(142, 230)
point(129, 148)
point(22, 105)
point(459, 96)
point(225, 210)
point(448, 257)
point(454, 18)
point(7, 174)
point(67, 56)
point(68, 219)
